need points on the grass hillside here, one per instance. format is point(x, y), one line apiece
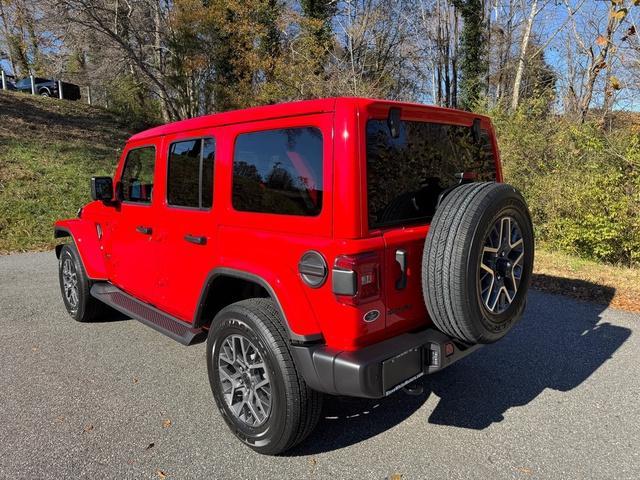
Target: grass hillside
point(49, 149)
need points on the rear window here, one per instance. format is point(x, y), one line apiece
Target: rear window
point(406, 175)
point(278, 171)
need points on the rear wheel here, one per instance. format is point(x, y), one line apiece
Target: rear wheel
point(254, 381)
point(477, 262)
point(75, 287)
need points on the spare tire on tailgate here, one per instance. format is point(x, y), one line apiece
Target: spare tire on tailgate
point(477, 262)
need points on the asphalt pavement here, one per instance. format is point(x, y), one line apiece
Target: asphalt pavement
point(559, 397)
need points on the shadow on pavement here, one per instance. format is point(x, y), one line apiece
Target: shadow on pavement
point(558, 344)
point(111, 315)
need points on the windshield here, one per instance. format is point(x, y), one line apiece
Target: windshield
point(406, 175)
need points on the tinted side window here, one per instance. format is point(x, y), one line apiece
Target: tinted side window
point(279, 171)
point(137, 175)
point(406, 175)
point(190, 173)
point(183, 183)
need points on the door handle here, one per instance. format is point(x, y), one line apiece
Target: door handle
point(144, 230)
point(401, 258)
point(195, 239)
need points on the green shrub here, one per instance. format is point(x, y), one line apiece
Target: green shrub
point(128, 99)
point(582, 183)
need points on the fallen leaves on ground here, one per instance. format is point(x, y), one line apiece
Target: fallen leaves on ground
point(587, 280)
point(150, 446)
point(166, 423)
point(88, 427)
point(161, 475)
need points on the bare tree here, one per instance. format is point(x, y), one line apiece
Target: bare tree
point(521, 58)
point(597, 53)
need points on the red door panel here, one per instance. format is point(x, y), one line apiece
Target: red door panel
point(132, 247)
point(187, 234)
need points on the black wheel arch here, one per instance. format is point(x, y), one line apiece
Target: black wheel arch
point(224, 286)
point(61, 232)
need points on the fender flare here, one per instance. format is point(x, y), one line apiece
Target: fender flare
point(87, 244)
point(252, 277)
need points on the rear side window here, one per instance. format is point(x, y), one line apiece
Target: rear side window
point(136, 182)
point(190, 173)
point(279, 171)
point(406, 175)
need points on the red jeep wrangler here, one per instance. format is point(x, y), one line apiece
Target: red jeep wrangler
point(340, 246)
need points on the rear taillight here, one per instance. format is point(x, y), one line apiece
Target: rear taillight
point(356, 278)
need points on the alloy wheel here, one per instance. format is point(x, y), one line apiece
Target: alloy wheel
point(501, 265)
point(70, 283)
point(244, 380)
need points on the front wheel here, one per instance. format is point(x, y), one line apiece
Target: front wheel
point(75, 287)
point(254, 381)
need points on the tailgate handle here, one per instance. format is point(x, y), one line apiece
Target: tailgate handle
point(401, 258)
point(195, 239)
point(144, 230)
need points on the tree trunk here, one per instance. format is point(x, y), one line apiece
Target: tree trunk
point(159, 59)
point(515, 99)
point(7, 35)
point(598, 62)
point(447, 77)
point(454, 60)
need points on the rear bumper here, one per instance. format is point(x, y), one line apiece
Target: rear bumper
point(380, 369)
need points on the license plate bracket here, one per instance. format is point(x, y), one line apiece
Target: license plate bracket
point(402, 367)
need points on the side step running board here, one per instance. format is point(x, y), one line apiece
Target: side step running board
point(147, 314)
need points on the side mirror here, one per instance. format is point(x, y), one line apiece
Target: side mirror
point(102, 189)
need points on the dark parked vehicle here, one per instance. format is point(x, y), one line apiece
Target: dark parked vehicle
point(10, 82)
point(49, 88)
